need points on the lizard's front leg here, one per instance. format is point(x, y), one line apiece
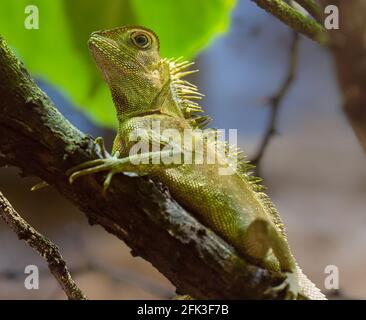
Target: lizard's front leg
point(142, 163)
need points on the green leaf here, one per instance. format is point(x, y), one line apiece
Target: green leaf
point(96, 15)
point(47, 52)
point(57, 52)
point(184, 27)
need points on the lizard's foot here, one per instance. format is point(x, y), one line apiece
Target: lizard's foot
point(138, 164)
point(290, 285)
point(112, 164)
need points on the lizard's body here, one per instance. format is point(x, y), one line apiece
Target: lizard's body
point(147, 89)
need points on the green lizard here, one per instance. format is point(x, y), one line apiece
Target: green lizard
point(147, 89)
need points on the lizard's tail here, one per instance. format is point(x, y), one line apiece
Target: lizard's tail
point(308, 289)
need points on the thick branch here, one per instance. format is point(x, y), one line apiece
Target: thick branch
point(35, 137)
point(43, 246)
point(294, 19)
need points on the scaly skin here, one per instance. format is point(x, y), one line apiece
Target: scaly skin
point(145, 89)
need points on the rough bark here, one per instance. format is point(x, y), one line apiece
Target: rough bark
point(35, 137)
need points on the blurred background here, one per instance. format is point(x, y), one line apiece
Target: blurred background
point(313, 167)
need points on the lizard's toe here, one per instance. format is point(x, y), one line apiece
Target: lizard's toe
point(290, 285)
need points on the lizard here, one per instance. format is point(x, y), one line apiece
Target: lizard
point(148, 89)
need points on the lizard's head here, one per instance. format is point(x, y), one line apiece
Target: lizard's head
point(140, 80)
point(129, 60)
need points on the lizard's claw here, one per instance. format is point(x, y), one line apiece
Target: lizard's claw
point(100, 142)
point(110, 164)
point(290, 285)
point(90, 167)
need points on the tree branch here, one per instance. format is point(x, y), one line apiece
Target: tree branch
point(349, 50)
point(294, 19)
point(35, 137)
point(276, 101)
point(43, 246)
point(312, 7)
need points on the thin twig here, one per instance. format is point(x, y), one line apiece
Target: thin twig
point(312, 8)
point(294, 19)
point(43, 246)
point(276, 101)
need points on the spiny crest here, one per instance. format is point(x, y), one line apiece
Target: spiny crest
point(186, 92)
point(236, 158)
point(245, 169)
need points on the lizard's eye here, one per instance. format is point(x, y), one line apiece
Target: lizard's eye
point(141, 40)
